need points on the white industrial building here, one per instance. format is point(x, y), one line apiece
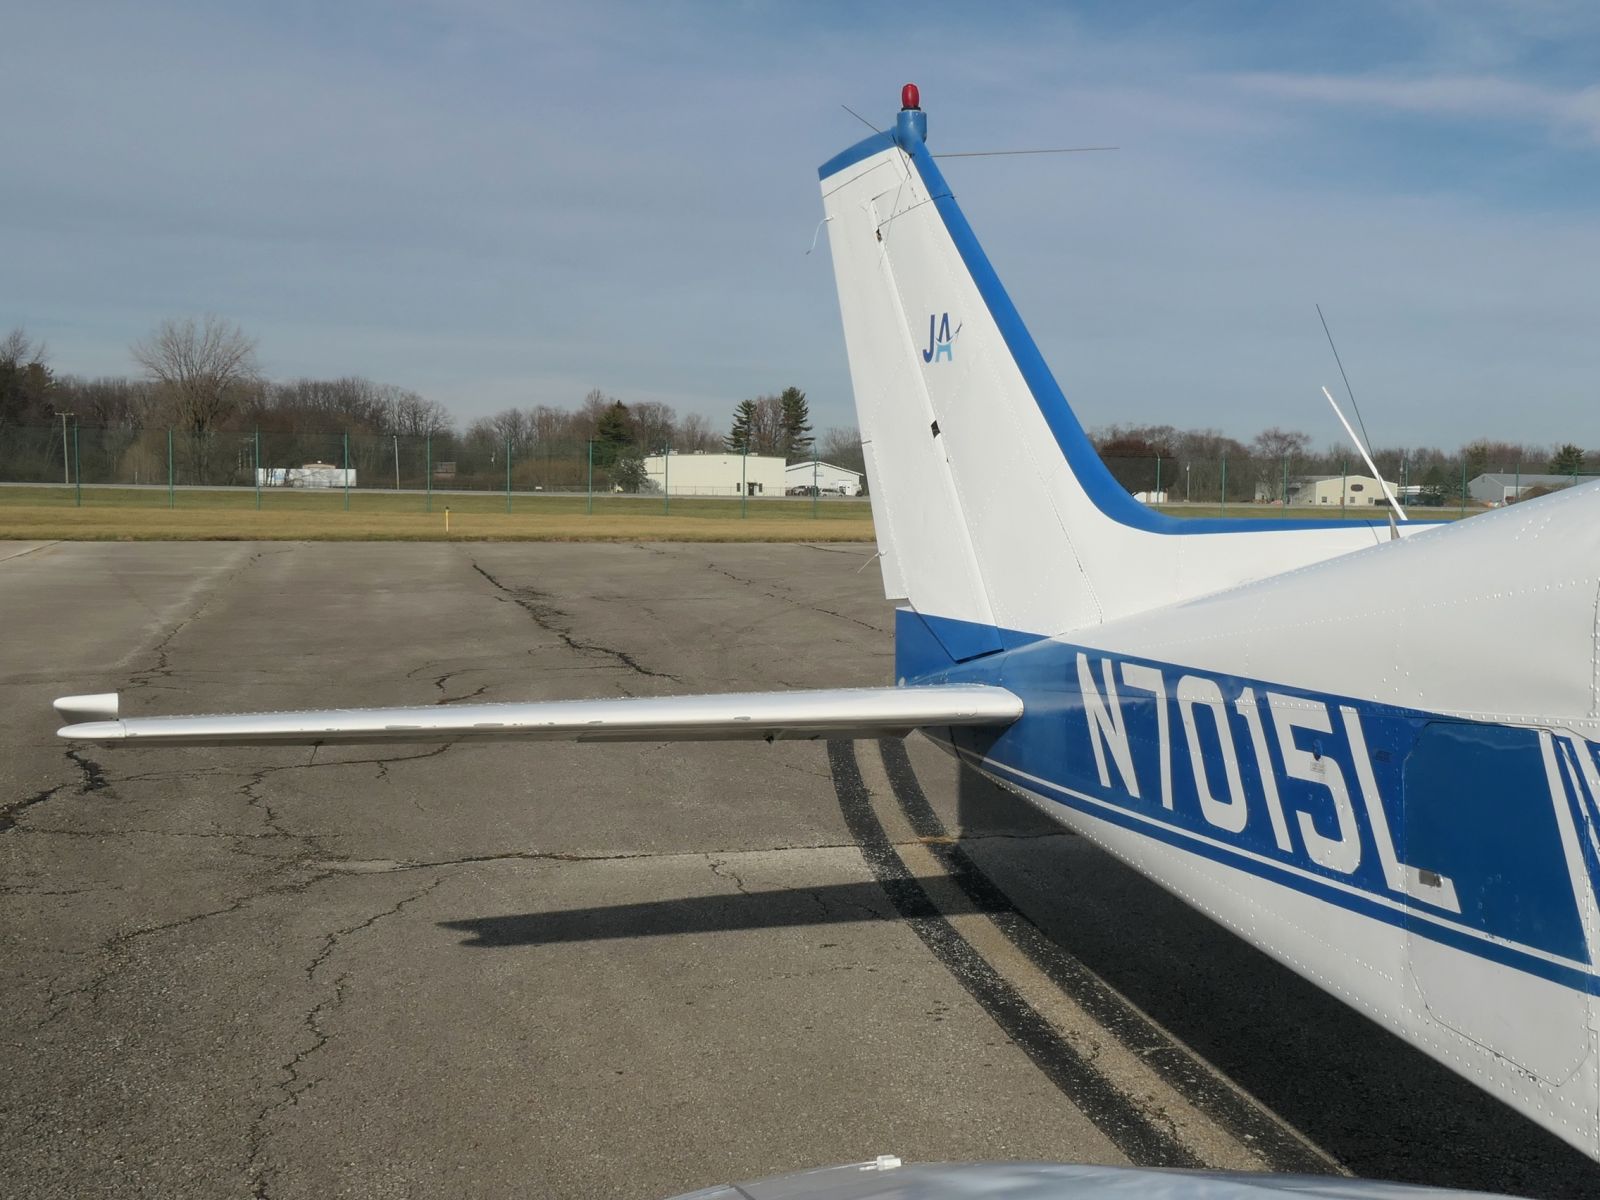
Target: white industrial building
point(1349, 490)
point(701, 474)
point(1504, 487)
point(312, 475)
point(825, 477)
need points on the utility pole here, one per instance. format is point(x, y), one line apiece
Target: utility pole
point(66, 458)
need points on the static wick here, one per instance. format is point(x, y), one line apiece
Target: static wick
point(818, 233)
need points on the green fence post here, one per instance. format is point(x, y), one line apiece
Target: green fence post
point(1463, 509)
point(1344, 486)
point(1224, 483)
point(1518, 492)
point(258, 470)
point(1156, 499)
point(77, 465)
point(347, 471)
point(816, 492)
point(172, 498)
point(1285, 492)
point(744, 481)
point(666, 481)
point(508, 474)
point(427, 467)
point(589, 502)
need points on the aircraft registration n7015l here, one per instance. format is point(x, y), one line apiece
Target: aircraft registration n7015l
point(1370, 750)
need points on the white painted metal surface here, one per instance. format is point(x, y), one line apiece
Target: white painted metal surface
point(770, 716)
point(1057, 1181)
point(984, 520)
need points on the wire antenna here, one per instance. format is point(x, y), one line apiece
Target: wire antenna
point(996, 153)
point(1346, 378)
point(860, 118)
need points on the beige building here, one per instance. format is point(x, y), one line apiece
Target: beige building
point(1353, 491)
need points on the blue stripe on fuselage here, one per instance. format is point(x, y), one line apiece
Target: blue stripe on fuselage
point(1473, 813)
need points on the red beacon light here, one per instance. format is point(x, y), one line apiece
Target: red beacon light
point(910, 97)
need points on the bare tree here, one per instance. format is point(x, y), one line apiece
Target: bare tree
point(412, 415)
point(654, 423)
point(513, 427)
point(550, 427)
point(841, 445)
point(1277, 444)
point(18, 349)
point(695, 434)
point(766, 426)
point(595, 406)
point(203, 368)
point(1278, 456)
point(26, 382)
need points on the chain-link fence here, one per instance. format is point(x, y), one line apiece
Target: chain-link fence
point(164, 463)
point(182, 468)
point(1306, 486)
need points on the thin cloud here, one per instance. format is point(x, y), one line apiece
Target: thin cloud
point(1564, 111)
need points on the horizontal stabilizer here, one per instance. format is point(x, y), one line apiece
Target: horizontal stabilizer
point(74, 709)
point(765, 716)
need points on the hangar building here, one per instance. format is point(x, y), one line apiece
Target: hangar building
point(824, 476)
point(1325, 489)
point(702, 474)
point(1501, 487)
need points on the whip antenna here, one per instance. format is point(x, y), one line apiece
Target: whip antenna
point(994, 153)
point(860, 118)
point(1347, 389)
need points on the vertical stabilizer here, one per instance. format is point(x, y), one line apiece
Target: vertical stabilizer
point(994, 512)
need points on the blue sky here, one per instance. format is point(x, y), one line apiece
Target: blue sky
point(511, 203)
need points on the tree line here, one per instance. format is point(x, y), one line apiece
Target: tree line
point(1258, 470)
point(200, 379)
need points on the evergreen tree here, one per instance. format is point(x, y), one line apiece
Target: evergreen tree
point(738, 439)
point(1567, 461)
point(1474, 462)
point(629, 473)
point(796, 430)
point(613, 433)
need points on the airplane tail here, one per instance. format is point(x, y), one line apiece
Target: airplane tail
point(995, 517)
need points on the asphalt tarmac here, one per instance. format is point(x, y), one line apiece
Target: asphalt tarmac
point(600, 971)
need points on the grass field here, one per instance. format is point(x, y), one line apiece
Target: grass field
point(142, 514)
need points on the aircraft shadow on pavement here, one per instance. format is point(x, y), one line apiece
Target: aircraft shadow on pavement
point(828, 904)
point(1363, 1095)
point(1381, 1107)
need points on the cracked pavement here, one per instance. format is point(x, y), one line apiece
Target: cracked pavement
point(257, 973)
point(549, 969)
